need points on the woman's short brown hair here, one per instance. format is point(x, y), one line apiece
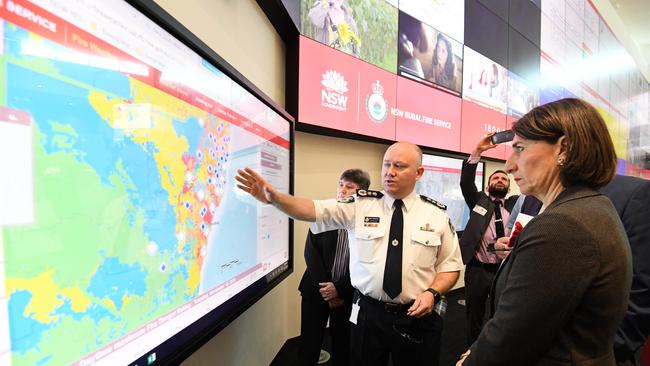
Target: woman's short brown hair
point(590, 155)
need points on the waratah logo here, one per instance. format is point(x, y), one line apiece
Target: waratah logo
point(333, 96)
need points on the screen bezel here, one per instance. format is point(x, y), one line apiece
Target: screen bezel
point(180, 346)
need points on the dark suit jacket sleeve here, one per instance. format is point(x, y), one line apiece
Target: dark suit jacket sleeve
point(315, 259)
point(544, 286)
point(636, 220)
point(467, 186)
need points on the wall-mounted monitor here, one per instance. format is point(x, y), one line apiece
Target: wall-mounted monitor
point(486, 32)
point(484, 81)
point(125, 240)
point(441, 181)
point(448, 16)
point(522, 96)
point(340, 92)
point(525, 17)
point(429, 56)
point(365, 29)
point(523, 57)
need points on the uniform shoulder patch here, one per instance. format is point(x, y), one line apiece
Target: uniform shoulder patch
point(346, 199)
point(433, 202)
point(369, 193)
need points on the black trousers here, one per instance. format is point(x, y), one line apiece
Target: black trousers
point(313, 319)
point(478, 280)
point(380, 333)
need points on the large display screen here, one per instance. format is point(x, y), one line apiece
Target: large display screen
point(448, 16)
point(441, 181)
point(522, 96)
point(366, 29)
point(427, 116)
point(428, 55)
point(122, 236)
point(484, 81)
point(343, 93)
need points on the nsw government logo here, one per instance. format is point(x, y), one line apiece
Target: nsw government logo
point(334, 95)
point(376, 105)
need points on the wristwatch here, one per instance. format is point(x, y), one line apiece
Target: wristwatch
point(433, 292)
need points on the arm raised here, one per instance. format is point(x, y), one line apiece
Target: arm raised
point(295, 207)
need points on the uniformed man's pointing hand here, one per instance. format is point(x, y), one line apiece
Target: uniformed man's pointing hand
point(250, 181)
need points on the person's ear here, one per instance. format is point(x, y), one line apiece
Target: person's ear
point(419, 172)
point(562, 150)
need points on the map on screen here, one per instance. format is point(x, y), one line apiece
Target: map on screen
point(120, 223)
point(441, 182)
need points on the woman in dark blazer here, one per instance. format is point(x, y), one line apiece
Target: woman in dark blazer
point(560, 295)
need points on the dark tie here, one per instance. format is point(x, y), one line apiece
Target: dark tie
point(498, 221)
point(393, 269)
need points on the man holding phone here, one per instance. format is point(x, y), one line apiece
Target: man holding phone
point(486, 224)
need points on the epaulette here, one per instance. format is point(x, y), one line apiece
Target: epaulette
point(369, 193)
point(346, 199)
point(433, 202)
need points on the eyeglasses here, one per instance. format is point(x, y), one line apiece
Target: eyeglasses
point(407, 336)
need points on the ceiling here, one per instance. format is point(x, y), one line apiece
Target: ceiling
point(635, 15)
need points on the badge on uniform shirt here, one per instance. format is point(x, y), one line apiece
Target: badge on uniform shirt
point(427, 227)
point(479, 210)
point(371, 221)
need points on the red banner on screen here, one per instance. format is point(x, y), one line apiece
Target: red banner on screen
point(476, 122)
point(427, 116)
point(341, 92)
point(35, 19)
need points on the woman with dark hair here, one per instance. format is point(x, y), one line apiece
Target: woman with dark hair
point(443, 63)
point(560, 295)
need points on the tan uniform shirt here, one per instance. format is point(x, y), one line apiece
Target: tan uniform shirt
point(430, 243)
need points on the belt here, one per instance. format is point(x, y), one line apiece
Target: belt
point(389, 307)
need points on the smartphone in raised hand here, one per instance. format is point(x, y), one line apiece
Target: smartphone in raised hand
point(502, 136)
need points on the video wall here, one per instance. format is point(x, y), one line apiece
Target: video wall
point(451, 71)
point(122, 235)
point(581, 57)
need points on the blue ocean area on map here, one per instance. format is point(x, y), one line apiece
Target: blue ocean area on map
point(26, 331)
point(191, 130)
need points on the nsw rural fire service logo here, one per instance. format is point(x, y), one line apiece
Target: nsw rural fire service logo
point(376, 105)
point(334, 93)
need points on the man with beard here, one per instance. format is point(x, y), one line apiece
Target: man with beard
point(485, 226)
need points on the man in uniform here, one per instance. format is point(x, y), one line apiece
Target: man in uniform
point(486, 225)
point(404, 254)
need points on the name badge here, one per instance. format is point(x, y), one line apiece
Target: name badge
point(480, 210)
point(355, 313)
point(371, 221)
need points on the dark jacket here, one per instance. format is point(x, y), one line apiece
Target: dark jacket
point(320, 251)
point(477, 224)
point(560, 295)
point(631, 198)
